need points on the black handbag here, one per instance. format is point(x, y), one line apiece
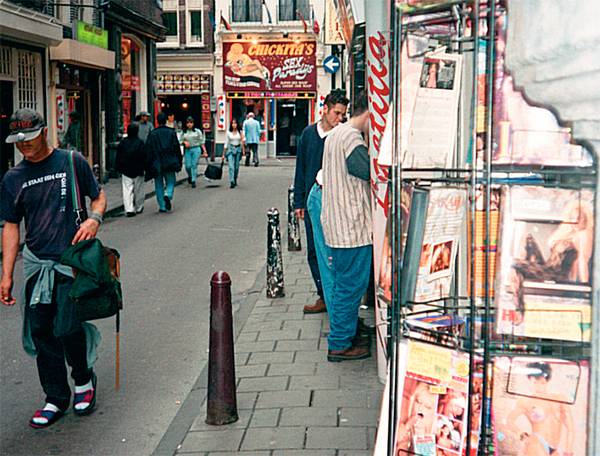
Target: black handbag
point(214, 172)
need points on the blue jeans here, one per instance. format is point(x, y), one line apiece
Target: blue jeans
point(233, 155)
point(165, 179)
point(190, 158)
point(322, 250)
point(351, 268)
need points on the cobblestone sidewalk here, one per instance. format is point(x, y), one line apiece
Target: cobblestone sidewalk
point(291, 401)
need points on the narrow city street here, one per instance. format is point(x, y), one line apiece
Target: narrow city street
point(167, 263)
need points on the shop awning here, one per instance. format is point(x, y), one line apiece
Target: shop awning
point(82, 54)
point(305, 95)
point(29, 26)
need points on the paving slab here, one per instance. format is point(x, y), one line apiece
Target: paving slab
point(274, 438)
point(354, 438)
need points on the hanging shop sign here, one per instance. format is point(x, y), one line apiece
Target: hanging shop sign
point(61, 111)
point(90, 34)
point(179, 83)
point(346, 19)
point(270, 66)
point(221, 113)
point(333, 28)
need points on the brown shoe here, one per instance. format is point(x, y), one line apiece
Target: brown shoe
point(361, 340)
point(317, 307)
point(352, 353)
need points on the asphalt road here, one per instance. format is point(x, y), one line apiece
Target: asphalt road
point(167, 263)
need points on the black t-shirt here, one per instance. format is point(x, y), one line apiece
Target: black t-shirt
point(40, 193)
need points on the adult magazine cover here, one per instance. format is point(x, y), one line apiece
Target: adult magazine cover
point(543, 283)
point(539, 406)
point(432, 245)
point(525, 134)
point(433, 402)
point(432, 135)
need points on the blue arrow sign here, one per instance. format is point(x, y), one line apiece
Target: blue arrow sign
point(331, 64)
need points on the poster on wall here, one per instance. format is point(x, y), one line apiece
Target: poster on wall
point(270, 66)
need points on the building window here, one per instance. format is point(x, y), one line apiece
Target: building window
point(247, 11)
point(293, 10)
point(27, 82)
point(6, 65)
point(170, 21)
point(196, 26)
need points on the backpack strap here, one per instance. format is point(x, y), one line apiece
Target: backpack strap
point(75, 195)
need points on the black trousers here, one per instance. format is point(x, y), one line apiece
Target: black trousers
point(54, 344)
point(311, 254)
point(251, 148)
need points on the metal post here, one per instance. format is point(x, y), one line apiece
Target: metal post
point(274, 257)
point(294, 244)
point(221, 403)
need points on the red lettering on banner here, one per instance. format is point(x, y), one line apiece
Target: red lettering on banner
point(379, 105)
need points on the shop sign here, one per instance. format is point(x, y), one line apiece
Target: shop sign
point(206, 118)
point(180, 83)
point(270, 66)
point(303, 95)
point(135, 82)
point(333, 29)
point(61, 111)
point(346, 19)
point(221, 113)
point(90, 34)
point(319, 107)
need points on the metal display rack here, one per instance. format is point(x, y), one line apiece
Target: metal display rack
point(471, 173)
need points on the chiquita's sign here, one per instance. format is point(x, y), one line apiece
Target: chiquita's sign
point(270, 66)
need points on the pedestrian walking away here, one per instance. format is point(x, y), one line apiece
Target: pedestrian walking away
point(309, 159)
point(130, 161)
point(251, 129)
point(233, 151)
point(37, 191)
point(193, 140)
point(164, 160)
point(346, 222)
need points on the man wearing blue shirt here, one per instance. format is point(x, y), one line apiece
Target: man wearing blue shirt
point(252, 138)
point(309, 159)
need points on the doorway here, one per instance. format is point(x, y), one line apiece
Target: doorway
point(292, 119)
point(7, 154)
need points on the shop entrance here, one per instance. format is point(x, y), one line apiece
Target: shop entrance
point(6, 108)
point(241, 107)
point(292, 118)
point(182, 106)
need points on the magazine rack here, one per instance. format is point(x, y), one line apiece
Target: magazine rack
point(551, 318)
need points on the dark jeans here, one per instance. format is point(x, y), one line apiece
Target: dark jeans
point(52, 349)
point(311, 254)
point(253, 147)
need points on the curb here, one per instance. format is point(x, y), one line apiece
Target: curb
point(189, 410)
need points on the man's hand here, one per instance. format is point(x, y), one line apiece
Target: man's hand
point(299, 213)
point(6, 296)
point(87, 230)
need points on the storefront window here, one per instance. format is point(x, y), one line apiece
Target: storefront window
point(130, 79)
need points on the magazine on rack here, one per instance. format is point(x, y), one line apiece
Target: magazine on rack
point(432, 243)
point(433, 404)
point(384, 284)
point(539, 406)
point(442, 329)
point(543, 284)
point(432, 135)
point(526, 134)
point(478, 266)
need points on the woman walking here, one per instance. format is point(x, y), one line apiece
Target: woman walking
point(233, 151)
point(130, 161)
point(192, 140)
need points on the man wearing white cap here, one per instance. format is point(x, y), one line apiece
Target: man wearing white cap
point(38, 191)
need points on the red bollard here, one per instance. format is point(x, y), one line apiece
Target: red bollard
point(221, 403)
